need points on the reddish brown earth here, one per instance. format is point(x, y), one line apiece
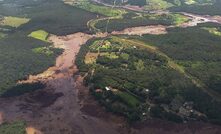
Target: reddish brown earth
point(155, 30)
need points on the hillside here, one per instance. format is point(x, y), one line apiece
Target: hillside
point(110, 66)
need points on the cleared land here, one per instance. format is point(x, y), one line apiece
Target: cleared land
point(39, 34)
point(13, 21)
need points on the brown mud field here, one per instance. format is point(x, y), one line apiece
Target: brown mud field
point(57, 109)
point(154, 29)
point(66, 106)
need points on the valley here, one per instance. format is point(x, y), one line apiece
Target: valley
point(124, 70)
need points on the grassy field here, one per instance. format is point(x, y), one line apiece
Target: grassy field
point(13, 21)
point(39, 34)
point(13, 128)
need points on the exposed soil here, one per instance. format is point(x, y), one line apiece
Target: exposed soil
point(155, 30)
point(198, 19)
point(217, 18)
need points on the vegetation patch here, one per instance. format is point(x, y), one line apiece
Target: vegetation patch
point(128, 77)
point(111, 13)
point(151, 80)
point(2, 35)
point(204, 7)
point(198, 2)
point(43, 50)
point(122, 2)
point(134, 20)
point(213, 31)
point(175, 44)
point(198, 58)
point(128, 99)
point(20, 89)
point(13, 128)
point(25, 61)
point(107, 11)
point(189, 2)
point(39, 34)
point(179, 19)
point(13, 21)
point(157, 5)
point(18, 55)
point(90, 58)
point(208, 72)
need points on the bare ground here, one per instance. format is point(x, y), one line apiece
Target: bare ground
point(155, 30)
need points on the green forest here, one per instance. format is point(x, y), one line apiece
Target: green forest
point(137, 80)
point(197, 50)
point(22, 55)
